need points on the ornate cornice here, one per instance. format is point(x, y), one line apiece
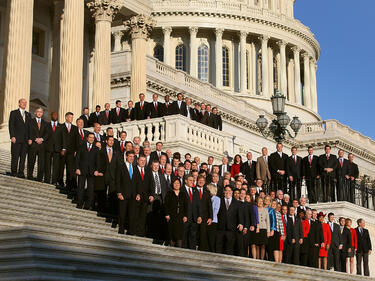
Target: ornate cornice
point(104, 10)
point(140, 26)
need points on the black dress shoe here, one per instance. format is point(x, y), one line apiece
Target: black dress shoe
point(121, 232)
point(114, 224)
point(21, 176)
point(79, 206)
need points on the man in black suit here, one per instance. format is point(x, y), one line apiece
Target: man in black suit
point(342, 176)
point(54, 146)
point(19, 122)
point(155, 155)
point(203, 116)
point(167, 108)
point(129, 112)
point(82, 133)
point(215, 120)
point(364, 247)
point(346, 240)
point(38, 135)
point(278, 168)
point(105, 116)
point(86, 170)
point(248, 169)
point(94, 116)
point(294, 172)
point(70, 134)
point(194, 218)
point(316, 238)
point(154, 109)
point(336, 244)
point(328, 164)
point(196, 112)
point(118, 113)
point(156, 222)
point(140, 109)
point(294, 237)
point(126, 191)
point(85, 117)
point(230, 221)
point(105, 181)
point(353, 174)
point(179, 106)
point(310, 172)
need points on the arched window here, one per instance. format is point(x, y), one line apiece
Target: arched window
point(225, 67)
point(159, 52)
point(203, 63)
point(181, 57)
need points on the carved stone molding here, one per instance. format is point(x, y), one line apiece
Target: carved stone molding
point(140, 26)
point(104, 10)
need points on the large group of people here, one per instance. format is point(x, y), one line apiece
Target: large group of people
point(249, 208)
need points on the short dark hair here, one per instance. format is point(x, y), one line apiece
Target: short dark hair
point(108, 137)
point(327, 145)
point(68, 113)
point(310, 146)
point(130, 152)
point(97, 106)
point(330, 215)
point(90, 133)
point(117, 101)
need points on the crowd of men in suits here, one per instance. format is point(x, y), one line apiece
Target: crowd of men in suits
point(251, 209)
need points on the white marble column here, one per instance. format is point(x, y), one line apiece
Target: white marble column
point(243, 74)
point(265, 81)
point(166, 45)
point(297, 75)
point(71, 59)
point(253, 68)
point(193, 51)
point(54, 81)
point(118, 36)
point(291, 94)
point(283, 76)
point(271, 83)
point(314, 98)
point(103, 12)
point(307, 82)
point(219, 57)
point(140, 27)
point(16, 71)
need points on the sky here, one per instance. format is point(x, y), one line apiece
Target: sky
point(345, 30)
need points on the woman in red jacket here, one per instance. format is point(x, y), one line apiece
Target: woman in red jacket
point(350, 258)
point(237, 162)
point(323, 252)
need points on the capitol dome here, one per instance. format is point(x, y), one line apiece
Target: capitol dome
point(223, 42)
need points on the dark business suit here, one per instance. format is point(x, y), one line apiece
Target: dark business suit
point(363, 248)
point(215, 121)
point(315, 237)
point(105, 117)
point(278, 163)
point(154, 111)
point(179, 109)
point(82, 136)
point(228, 220)
point(328, 179)
point(85, 120)
point(54, 145)
point(310, 170)
point(293, 231)
point(86, 162)
point(334, 252)
point(203, 117)
point(167, 109)
point(294, 169)
point(37, 149)
point(129, 114)
point(18, 128)
point(342, 184)
point(346, 240)
point(353, 172)
point(117, 117)
point(206, 208)
point(140, 113)
point(93, 118)
point(249, 171)
point(191, 226)
point(195, 115)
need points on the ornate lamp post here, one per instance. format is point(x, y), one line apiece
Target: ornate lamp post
point(278, 127)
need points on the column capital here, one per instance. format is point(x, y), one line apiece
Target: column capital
point(264, 37)
point(296, 49)
point(118, 33)
point(281, 43)
point(140, 26)
point(219, 32)
point(167, 29)
point(312, 61)
point(306, 56)
point(193, 29)
point(243, 34)
point(104, 10)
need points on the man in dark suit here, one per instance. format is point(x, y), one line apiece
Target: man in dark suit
point(154, 109)
point(310, 172)
point(99, 139)
point(294, 172)
point(278, 168)
point(129, 112)
point(203, 116)
point(85, 117)
point(105, 181)
point(70, 133)
point(230, 220)
point(215, 120)
point(328, 164)
point(248, 169)
point(126, 191)
point(346, 240)
point(140, 109)
point(167, 108)
point(342, 177)
point(336, 244)
point(82, 133)
point(118, 113)
point(364, 247)
point(38, 135)
point(54, 146)
point(179, 106)
point(105, 116)
point(224, 167)
point(196, 112)
point(86, 170)
point(94, 116)
point(155, 155)
point(194, 218)
point(316, 238)
point(156, 222)
point(294, 237)
point(19, 122)
point(353, 174)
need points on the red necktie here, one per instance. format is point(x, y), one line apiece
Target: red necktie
point(107, 114)
point(142, 174)
point(175, 172)
point(89, 147)
point(200, 193)
point(295, 160)
point(166, 105)
point(54, 127)
point(118, 111)
point(81, 134)
point(341, 163)
point(310, 160)
point(69, 128)
point(162, 170)
point(141, 106)
point(327, 157)
point(190, 195)
point(156, 106)
point(122, 147)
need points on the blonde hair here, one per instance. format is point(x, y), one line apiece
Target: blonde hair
point(212, 189)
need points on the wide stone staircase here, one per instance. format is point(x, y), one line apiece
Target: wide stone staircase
point(44, 237)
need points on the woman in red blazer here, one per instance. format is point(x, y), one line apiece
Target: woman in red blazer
point(323, 252)
point(236, 166)
point(350, 258)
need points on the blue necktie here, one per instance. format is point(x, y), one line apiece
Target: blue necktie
point(130, 171)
